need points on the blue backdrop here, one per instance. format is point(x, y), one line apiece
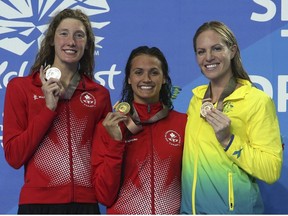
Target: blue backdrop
point(261, 27)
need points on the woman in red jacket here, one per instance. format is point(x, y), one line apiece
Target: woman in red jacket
point(137, 153)
point(49, 120)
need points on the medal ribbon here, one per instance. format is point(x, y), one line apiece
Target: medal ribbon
point(231, 86)
point(134, 124)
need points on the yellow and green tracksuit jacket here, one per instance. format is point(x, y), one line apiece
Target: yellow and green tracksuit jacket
point(223, 181)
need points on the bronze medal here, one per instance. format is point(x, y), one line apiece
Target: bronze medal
point(53, 72)
point(206, 106)
point(123, 107)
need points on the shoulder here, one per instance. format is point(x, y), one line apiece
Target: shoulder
point(257, 101)
point(252, 93)
point(19, 81)
point(177, 115)
point(258, 95)
point(199, 91)
point(93, 85)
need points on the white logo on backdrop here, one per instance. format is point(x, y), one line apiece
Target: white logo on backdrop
point(21, 20)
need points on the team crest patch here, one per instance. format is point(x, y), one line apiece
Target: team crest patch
point(88, 99)
point(228, 106)
point(173, 138)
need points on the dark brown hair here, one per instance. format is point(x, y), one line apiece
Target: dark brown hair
point(165, 92)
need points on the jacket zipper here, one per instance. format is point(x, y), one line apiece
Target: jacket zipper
point(152, 172)
point(230, 192)
point(70, 152)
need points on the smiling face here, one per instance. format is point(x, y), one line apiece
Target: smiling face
point(69, 42)
point(213, 56)
point(146, 79)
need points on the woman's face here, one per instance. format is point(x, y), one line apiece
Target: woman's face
point(146, 79)
point(69, 41)
point(213, 56)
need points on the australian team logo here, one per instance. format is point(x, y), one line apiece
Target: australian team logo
point(173, 138)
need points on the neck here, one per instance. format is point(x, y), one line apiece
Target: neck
point(217, 88)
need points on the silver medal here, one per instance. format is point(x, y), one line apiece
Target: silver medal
point(53, 72)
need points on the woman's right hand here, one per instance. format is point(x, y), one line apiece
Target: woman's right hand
point(111, 123)
point(52, 89)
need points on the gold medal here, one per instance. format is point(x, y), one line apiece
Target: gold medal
point(53, 72)
point(123, 107)
point(206, 106)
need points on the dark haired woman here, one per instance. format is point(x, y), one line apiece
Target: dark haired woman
point(137, 155)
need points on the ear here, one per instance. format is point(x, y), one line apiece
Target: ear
point(233, 50)
point(164, 80)
point(129, 81)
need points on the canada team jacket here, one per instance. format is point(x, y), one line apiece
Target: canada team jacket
point(218, 181)
point(141, 174)
point(54, 147)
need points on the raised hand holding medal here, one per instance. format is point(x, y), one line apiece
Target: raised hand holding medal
point(124, 109)
point(52, 88)
point(113, 119)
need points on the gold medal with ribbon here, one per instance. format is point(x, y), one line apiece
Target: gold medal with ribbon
point(122, 107)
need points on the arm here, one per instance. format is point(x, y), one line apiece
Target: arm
point(260, 155)
point(22, 133)
point(107, 156)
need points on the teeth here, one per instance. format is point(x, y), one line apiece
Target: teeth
point(211, 66)
point(70, 51)
point(146, 87)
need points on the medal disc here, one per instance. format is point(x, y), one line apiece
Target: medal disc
point(53, 72)
point(206, 106)
point(123, 107)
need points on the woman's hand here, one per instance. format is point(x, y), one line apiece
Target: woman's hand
point(111, 123)
point(221, 125)
point(52, 89)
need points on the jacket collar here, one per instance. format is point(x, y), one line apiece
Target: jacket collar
point(239, 93)
point(145, 111)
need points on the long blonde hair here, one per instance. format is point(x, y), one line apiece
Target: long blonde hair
point(230, 40)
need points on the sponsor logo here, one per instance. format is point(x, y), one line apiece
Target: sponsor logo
point(36, 97)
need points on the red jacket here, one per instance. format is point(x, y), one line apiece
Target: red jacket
point(142, 174)
point(54, 147)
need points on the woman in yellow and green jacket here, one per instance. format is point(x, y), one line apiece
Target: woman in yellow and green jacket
point(232, 135)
